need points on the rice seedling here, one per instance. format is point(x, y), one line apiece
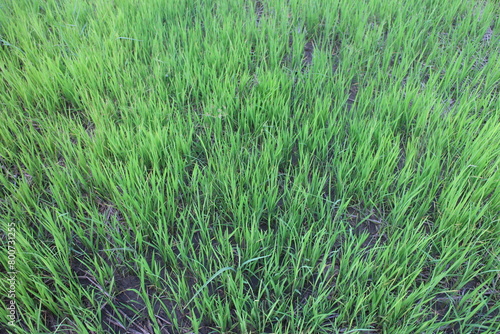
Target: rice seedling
point(295, 166)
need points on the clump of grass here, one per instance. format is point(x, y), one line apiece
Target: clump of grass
point(271, 167)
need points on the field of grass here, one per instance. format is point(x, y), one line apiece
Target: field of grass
point(279, 166)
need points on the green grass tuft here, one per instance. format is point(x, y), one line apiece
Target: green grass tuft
point(250, 167)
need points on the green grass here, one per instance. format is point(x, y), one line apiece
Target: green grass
point(251, 167)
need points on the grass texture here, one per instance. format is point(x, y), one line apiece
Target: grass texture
point(280, 166)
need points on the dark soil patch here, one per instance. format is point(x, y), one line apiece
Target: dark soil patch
point(128, 312)
point(15, 173)
point(259, 10)
point(353, 92)
point(89, 127)
point(108, 210)
point(308, 54)
point(366, 222)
